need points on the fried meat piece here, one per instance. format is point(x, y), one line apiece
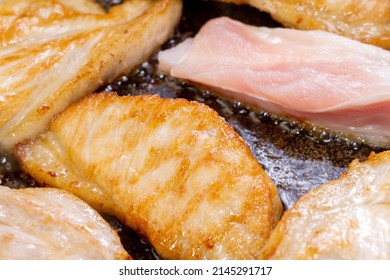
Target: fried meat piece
point(54, 52)
point(365, 20)
point(171, 169)
point(46, 223)
point(348, 218)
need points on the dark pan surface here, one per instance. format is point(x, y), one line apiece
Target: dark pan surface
point(296, 159)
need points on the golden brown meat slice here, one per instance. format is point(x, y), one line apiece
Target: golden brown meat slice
point(46, 223)
point(54, 52)
point(348, 218)
point(365, 20)
point(171, 169)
